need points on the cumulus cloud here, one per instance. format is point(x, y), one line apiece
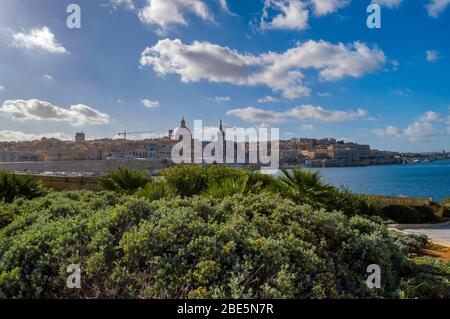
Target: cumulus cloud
point(301, 113)
point(47, 77)
point(38, 38)
point(432, 55)
point(127, 4)
point(165, 13)
point(282, 72)
point(36, 110)
point(268, 99)
point(420, 130)
point(389, 131)
point(291, 15)
point(19, 136)
point(150, 104)
point(431, 116)
point(323, 7)
point(307, 127)
point(436, 7)
point(388, 3)
point(295, 14)
point(2, 88)
point(222, 99)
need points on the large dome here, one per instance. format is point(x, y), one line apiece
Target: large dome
point(181, 130)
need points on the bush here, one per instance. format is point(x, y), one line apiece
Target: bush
point(156, 191)
point(258, 246)
point(124, 181)
point(187, 180)
point(409, 215)
point(13, 186)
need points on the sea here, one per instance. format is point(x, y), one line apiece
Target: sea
point(424, 180)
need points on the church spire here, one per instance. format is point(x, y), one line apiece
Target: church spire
point(183, 122)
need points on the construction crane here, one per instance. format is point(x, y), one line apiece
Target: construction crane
point(125, 133)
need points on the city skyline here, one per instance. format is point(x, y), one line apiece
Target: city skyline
point(311, 68)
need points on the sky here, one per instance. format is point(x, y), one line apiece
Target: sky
point(311, 68)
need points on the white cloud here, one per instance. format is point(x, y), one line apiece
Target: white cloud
point(403, 92)
point(224, 5)
point(436, 7)
point(389, 131)
point(222, 99)
point(2, 88)
point(150, 104)
point(307, 127)
point(38, 38)
point(47, 77)
point(128, 4)
point(388, 3)
point(282, 72)
point(292, 15)
point(165, 13)
point(324, 7)
point(432, 55)
point(268, 99)
point(301, 113)
point(421, 129)
point(18, 136)
point(431, 116)
point(323, 94)
point(44, 111)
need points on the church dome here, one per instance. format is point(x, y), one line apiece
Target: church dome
point(181, 130)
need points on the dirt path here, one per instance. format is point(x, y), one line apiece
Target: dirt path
point(437, 251)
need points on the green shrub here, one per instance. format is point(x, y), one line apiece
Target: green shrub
point(409, 215)
point(430, 280)
point(351, 204)
point(256, 246)
point(124, 181)
point(187, 180)
point(13, 186)
point(156, 191)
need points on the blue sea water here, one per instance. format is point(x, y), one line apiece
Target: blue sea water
point(426, 180)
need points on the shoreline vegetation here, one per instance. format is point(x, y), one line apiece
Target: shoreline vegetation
point(213, 232)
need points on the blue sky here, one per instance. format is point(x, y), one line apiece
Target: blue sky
point(309, 67)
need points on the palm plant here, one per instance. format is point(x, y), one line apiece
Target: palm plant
point(304, 187)
point(124, 181)
point(13, 185)
point(156, 191)
point(228, 187)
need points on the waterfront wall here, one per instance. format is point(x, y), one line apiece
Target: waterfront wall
point(100, 167)
point(62, 183)
point(403, 201)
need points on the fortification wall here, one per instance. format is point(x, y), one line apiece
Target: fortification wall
point(100, 167)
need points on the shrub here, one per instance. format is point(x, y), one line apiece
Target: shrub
point(156, 191)
point(13, 186)
point(352, 204)
point(258, 246)
point(187, 180)
point(124, 181)
point(409, 215)
point(430, 280)
point(228, 187)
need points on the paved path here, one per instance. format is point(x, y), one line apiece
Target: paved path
point(438, 234)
